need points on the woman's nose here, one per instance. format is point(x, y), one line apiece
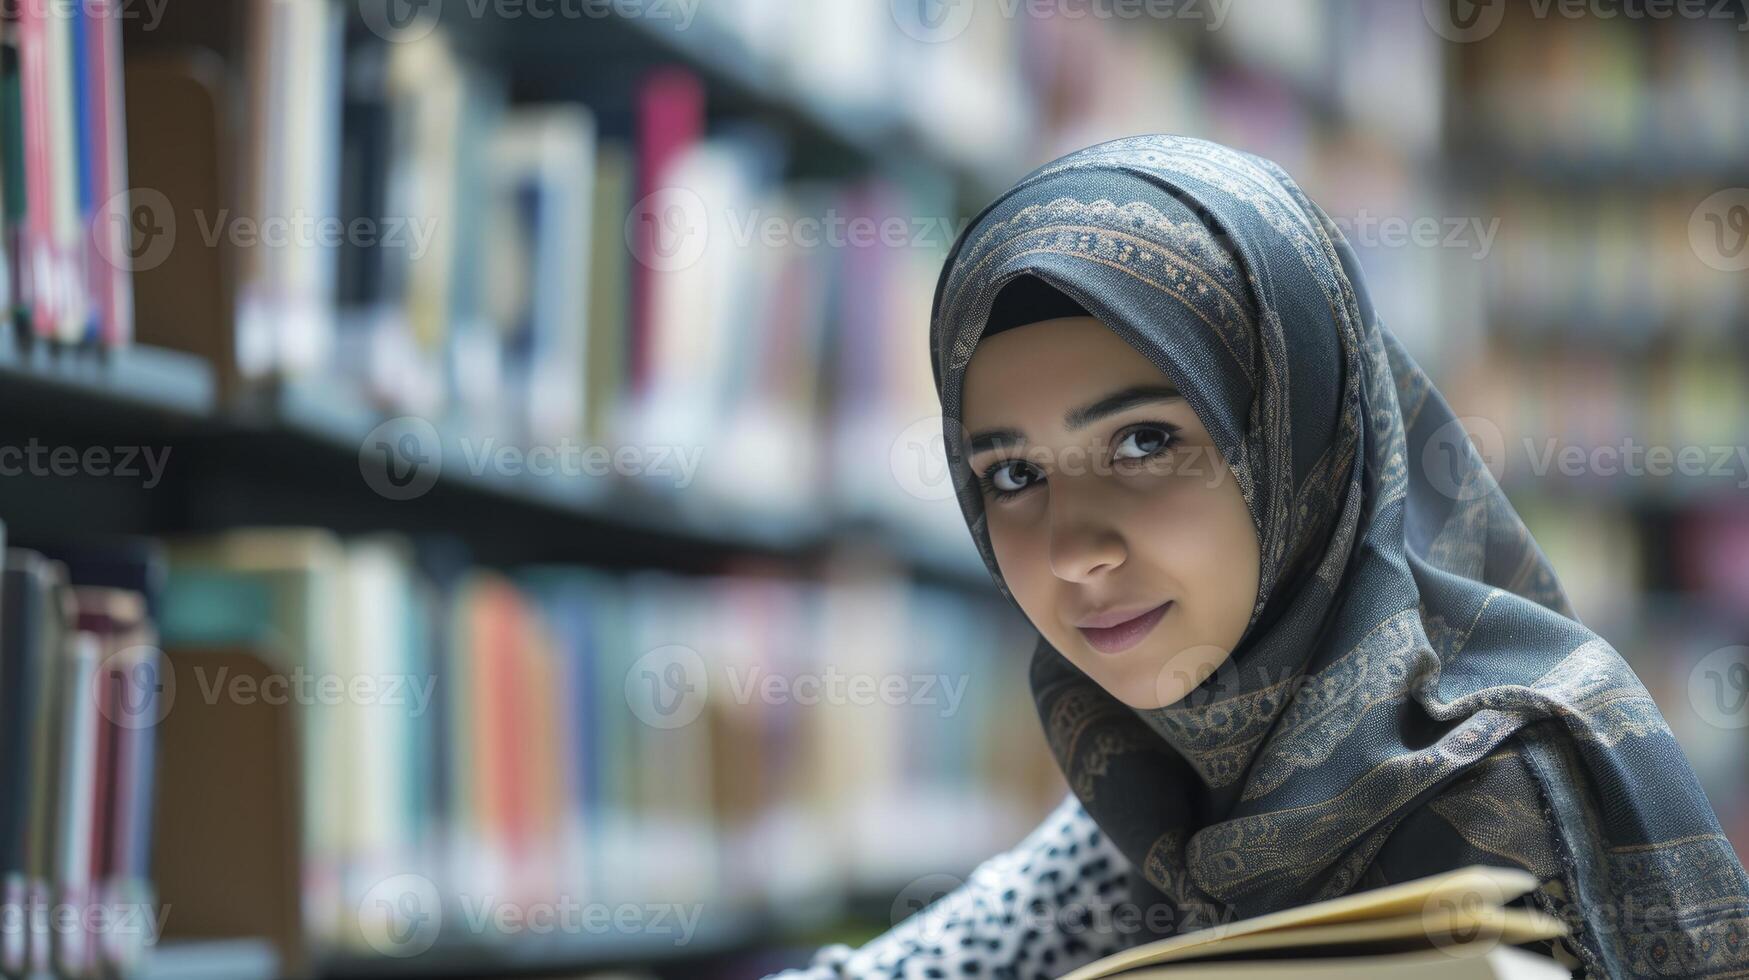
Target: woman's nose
point(1086, 541)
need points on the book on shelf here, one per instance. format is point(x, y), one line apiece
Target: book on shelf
point(531, 273)
point(226, 854)
point(1455, 925)
point(1601, 90)
point(65, 255)
point(79, 697)
point(519, 736)
point(541, 165)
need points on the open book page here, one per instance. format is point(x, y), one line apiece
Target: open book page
point(1459, 906)
point(1496, 963)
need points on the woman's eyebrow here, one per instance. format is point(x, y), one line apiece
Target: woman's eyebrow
point(1074, 419)
point(1118, 401)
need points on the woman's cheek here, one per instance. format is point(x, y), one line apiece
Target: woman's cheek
point(1020, 554)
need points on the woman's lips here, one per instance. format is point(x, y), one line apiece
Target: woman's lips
point(1117, 639)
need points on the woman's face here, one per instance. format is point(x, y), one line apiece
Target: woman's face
point(1117, 525)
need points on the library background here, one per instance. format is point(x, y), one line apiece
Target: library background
point(471, 491)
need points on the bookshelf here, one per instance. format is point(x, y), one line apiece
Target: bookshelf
point(1596, 143)
point(259, 461)
point(284, 450)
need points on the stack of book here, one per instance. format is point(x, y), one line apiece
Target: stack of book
point(512, 274)
point(81, 694)
point(361, 711)
point(65, 214)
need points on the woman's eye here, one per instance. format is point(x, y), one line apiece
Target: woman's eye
point(1144, 441)
point(1004, 480)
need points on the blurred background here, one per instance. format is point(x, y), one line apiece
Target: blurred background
point(471, 472)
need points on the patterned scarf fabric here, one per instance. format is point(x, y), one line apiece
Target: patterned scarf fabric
point(1413, 692)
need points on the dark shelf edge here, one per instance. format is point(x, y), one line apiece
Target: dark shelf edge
point(327, 425)
point(128, 377)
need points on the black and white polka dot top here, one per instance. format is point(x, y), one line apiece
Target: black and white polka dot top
point(1033, 912)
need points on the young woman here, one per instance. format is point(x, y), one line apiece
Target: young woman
point(1293, 639)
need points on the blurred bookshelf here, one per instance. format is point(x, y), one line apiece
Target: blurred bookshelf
point(1613, 325)
point(604, 231)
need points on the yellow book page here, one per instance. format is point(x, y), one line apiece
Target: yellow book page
point(1455, 901)
point(1494, 963)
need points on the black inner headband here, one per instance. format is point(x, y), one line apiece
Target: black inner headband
point(1029, 299)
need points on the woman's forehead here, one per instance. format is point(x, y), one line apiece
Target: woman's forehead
point(1050, 368)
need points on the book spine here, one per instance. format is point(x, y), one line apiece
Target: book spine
point(12, 170)
point(61, 63)
point(109, 215)
point(38, 244)
point(78, 779)
point(78, 145)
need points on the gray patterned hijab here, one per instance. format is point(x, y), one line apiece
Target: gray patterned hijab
point(1413, 692)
